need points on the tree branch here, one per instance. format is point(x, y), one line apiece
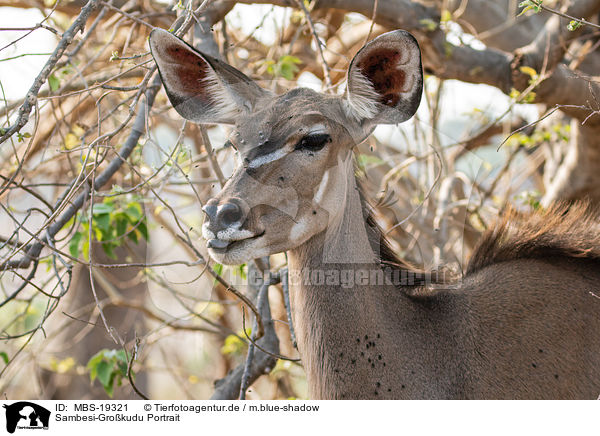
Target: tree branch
point(65, 41)
point(229, 387)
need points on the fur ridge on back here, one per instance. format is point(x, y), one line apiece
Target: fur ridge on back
point(563, 230)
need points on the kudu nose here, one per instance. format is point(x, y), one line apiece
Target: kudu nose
point(224, 215)
point(229, 214)
point(224, 222)
point(210, 210)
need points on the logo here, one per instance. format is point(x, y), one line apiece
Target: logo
point(26, 415)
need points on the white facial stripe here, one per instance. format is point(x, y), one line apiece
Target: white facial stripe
point(318, 198)
point(231, 234)
point(207, 234)
point(317, 129)
point(268, 158)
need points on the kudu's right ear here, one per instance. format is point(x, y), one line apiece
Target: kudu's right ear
point(385, 80)
point(201, 88)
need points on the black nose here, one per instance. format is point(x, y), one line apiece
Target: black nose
point(222, 216)
point(211, 211)
point(229, 214)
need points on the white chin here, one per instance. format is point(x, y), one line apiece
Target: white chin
point(239, 253)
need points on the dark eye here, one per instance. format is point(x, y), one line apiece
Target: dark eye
point(313, 142)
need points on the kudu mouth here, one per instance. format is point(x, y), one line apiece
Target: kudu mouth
point(223, 226)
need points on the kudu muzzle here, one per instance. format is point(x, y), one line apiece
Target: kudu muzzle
point(224, 219)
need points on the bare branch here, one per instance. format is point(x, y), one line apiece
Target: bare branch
point(65, 41)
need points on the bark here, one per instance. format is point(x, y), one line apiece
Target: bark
point(81, 340)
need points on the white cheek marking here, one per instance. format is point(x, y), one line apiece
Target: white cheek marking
point(232, 234)
point(318, 198)
point(207, 234)
point(298, 230)
point(268, 158)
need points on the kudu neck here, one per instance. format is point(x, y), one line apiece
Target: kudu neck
point(339, 299)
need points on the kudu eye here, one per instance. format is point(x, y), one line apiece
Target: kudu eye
point(313, 142)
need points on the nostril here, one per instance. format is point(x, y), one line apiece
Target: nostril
point(228, 214)
point(210, 210)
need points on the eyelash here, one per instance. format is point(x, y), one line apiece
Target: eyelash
point(313, 142)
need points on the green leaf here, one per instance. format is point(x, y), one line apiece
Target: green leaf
point(529, 71)
point(85, 249)
point(574, 25)
point(103, 223)
point(121, 224)
point(21, 136)
point(218, 268)
point(287, 66)
point(93, 363)
point(4, 357)
point(102, 208)
point(109, 250)
point(54, 82)
point(428, 24)
point(143, 230)
point(122, 356)
point(535, 5)
point(233, 345)
point(241, 271)
point(74, 244)
point(134, 212)
point(133, 236)
point(68, 224)
point(104, 371)
point(109, 390)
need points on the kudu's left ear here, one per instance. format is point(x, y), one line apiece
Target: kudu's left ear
point(201, 88)
point(385, 80)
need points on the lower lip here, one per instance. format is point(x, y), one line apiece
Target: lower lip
point(227, 247)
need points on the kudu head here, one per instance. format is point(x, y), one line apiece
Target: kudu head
point(294, 150)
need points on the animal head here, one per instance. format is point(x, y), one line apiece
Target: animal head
point(294, 150)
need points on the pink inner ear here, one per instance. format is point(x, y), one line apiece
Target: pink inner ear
point(381, 68)
point(189, 71)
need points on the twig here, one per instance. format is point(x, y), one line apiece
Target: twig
point(126, 14)
point(285, 285)
point(373, 16)
point(134, 353)
point(326, 69)
point(138, 127)
point(262, 294)
point(211, 157)
point(31, 97)
point(562, 14)
point(233, 290)
point(229, 387)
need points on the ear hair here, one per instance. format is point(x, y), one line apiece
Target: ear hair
point(201, 88)
point(385, 80)
point(362, 103)
point(225, 105)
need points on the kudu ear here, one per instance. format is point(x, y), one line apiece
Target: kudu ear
point(385, 80)
point(201, 88)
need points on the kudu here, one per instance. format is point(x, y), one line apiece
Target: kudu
point(523, 322)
